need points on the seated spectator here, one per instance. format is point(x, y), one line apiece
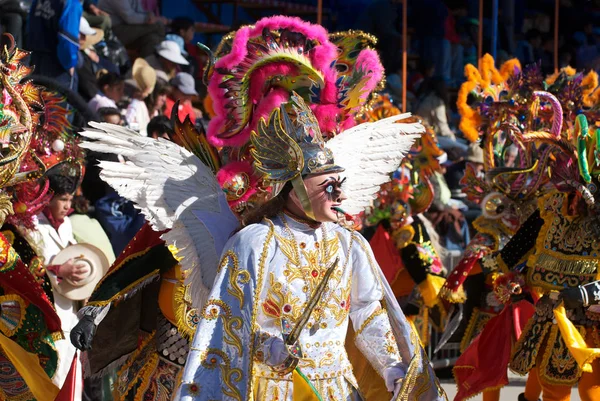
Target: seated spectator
point(424, 72)
point(135, 27)
point(158, 99)
point(166, 60)
point(119, 218)
point(433, 108)
point(53, 39)
point(143, 82)
point(112, 87)
point(526, 49)
point(183, 89)
point(160, 127)
point(89, 60)
point(182, 33)
point(96, 17)
point(12, 17)
point(110, 115)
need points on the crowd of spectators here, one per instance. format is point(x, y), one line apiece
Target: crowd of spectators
point(124, 64)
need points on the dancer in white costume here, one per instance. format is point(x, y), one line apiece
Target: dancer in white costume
point(277, 297)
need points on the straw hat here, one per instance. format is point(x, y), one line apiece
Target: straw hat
point(474, 154)
point(92, 35)
point(83, 254)
point(144, 76)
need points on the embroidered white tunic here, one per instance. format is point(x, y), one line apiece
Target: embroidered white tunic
point(267, 274)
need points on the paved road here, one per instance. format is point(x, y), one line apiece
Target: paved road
point(508, 393)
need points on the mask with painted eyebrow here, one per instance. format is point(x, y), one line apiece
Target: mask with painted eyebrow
point(333, 187)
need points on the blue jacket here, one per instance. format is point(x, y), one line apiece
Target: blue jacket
point(54, 28)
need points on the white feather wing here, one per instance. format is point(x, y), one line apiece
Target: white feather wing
point(370, 152)
point(175, 191)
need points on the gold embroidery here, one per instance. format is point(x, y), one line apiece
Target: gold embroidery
point(413, 377)
point(316, 266)
point(13, 314)
point(340, 307)
point(369, 320)
point(566, 244)
point(327, 360)
point(186, 316)
point(216, 308)
point(306, 363)
point(8, 256)
point(318, 260)
point(229, 375)
point(236, 276)
point(390, 344)
point(279, 303)
point(262, 260)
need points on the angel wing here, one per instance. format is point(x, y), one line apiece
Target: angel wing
point(175, 192)
point(370, 152)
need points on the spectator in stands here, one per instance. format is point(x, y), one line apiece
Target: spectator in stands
point(527, 49)
point(136, 28)
point(166, 60)
point(112, 87)
point(424, 72)
point(160, 127)
point(380, 19)
point(54, 39)
point(433, 108)
point(182, 33)
point(158, 99)
point(430, 24)
point(119, 218)
point(96, 17)
point(89, 60)
point(143, 82)
point(183, 89)
point(12, 16)
point(110, 115)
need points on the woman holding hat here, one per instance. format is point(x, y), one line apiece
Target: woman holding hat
point(143, 82)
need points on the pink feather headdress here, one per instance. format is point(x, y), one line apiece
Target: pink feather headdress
point(335, 74)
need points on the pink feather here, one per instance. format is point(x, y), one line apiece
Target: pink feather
point(230, 171)
point(368, 60)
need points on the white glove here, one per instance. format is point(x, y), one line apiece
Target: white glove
point(390, 376)
point(277, 351)
point(397, 391)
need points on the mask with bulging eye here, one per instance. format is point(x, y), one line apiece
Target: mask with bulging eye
point(333, 188)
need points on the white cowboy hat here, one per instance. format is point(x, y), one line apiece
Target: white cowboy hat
point(171, 51)
point(82, 254)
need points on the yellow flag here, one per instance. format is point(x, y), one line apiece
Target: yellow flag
point(28, 366)
point(574, 341)
point(303, 388)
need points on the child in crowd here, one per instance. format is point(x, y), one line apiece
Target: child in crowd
point(110, 115)
point(158, 99)
point(184, 90)
point(112, 87)
point(143, 82)
point(160, 127)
